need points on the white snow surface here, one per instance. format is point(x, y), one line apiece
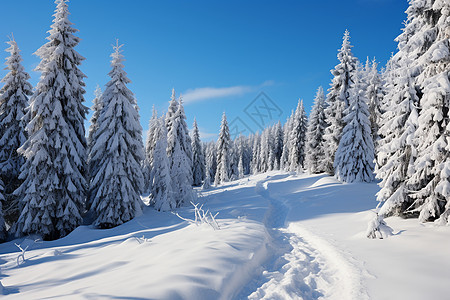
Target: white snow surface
point(282, 236)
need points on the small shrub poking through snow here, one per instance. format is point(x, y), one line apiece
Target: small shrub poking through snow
point(377, 228)
point(23, 251)
point(201, 217)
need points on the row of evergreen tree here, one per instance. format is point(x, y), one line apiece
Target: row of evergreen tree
point(52, 177)
point(64, 176)
point(338, 138)
point(395, 121)
point(43, 146)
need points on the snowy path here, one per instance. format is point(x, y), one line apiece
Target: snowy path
point(304, 266)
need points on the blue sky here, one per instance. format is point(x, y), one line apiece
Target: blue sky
point(219, 54)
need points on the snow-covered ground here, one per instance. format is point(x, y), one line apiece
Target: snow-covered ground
point(281, 237)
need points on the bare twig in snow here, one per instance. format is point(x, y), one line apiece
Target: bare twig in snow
point(201, 217)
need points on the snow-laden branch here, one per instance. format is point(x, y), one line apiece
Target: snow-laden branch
point(377, 228)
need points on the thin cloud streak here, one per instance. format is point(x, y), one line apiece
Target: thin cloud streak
point(207, 135)
point(209, 93)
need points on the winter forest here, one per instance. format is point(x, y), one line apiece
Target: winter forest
point(381, 131)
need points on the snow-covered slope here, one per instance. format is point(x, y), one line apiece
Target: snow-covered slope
point(281, 237)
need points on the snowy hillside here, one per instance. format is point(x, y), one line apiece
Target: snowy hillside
point(281, 237)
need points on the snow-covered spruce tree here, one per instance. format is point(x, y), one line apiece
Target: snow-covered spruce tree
point(389, 76)
point(239, 144)
point(171, 111)
point(264, 163)
point(246, 144)
point(53, 191)
point(374, 94)
point(198, 157)
point(297, 138)
point(241, 167)
point(315, 152)
point(223, 147)
point(93, 165)
point(239, 152)
point(338, 100)
point(179, 152)
point(396, 160)
point(211, 160)
point(161, 193)
point(2, 220)
point(399, 127)
point(234, 162)
point(396, 148)
point(272, 145)
point(210, 164)
point(13, 103)
point(150, 145)
point(355, 154)
point(207, 182)
point(96, 109)
point(284, 160)
point(430, 182)
point(178, 132)
point(119, 150)
point(277, 145)
point(183, 133)
point(256, 148)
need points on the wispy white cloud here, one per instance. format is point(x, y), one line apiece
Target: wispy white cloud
point(207, 135)
point(209, 93)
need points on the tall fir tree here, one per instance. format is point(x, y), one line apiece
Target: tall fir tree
point(244, 155)
point(240, 150)
point(2, 219)
point(93, 165)
point(414, 163)
point(271, 143)
point(338, 100)
point(297, 138)
point(13, 104)
point(234, 162)
point(284, 160)
point(211, 161)
point(430, 182)
point(179, 152)
point(400, 124)
point(256, 149)
point(355, 154)
point(117, 184)
point(96, 110)
point(54, 186)
point(315, 142)
point(389, 76)
point(161, 193)
point(264, 152)
point(278, 145)
point(150, 144)
point(198, 156)
point(398, 144)
point(171, 111)
point(248, 155)
point(374, 94)
point(185, 138)
point(223, 147)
